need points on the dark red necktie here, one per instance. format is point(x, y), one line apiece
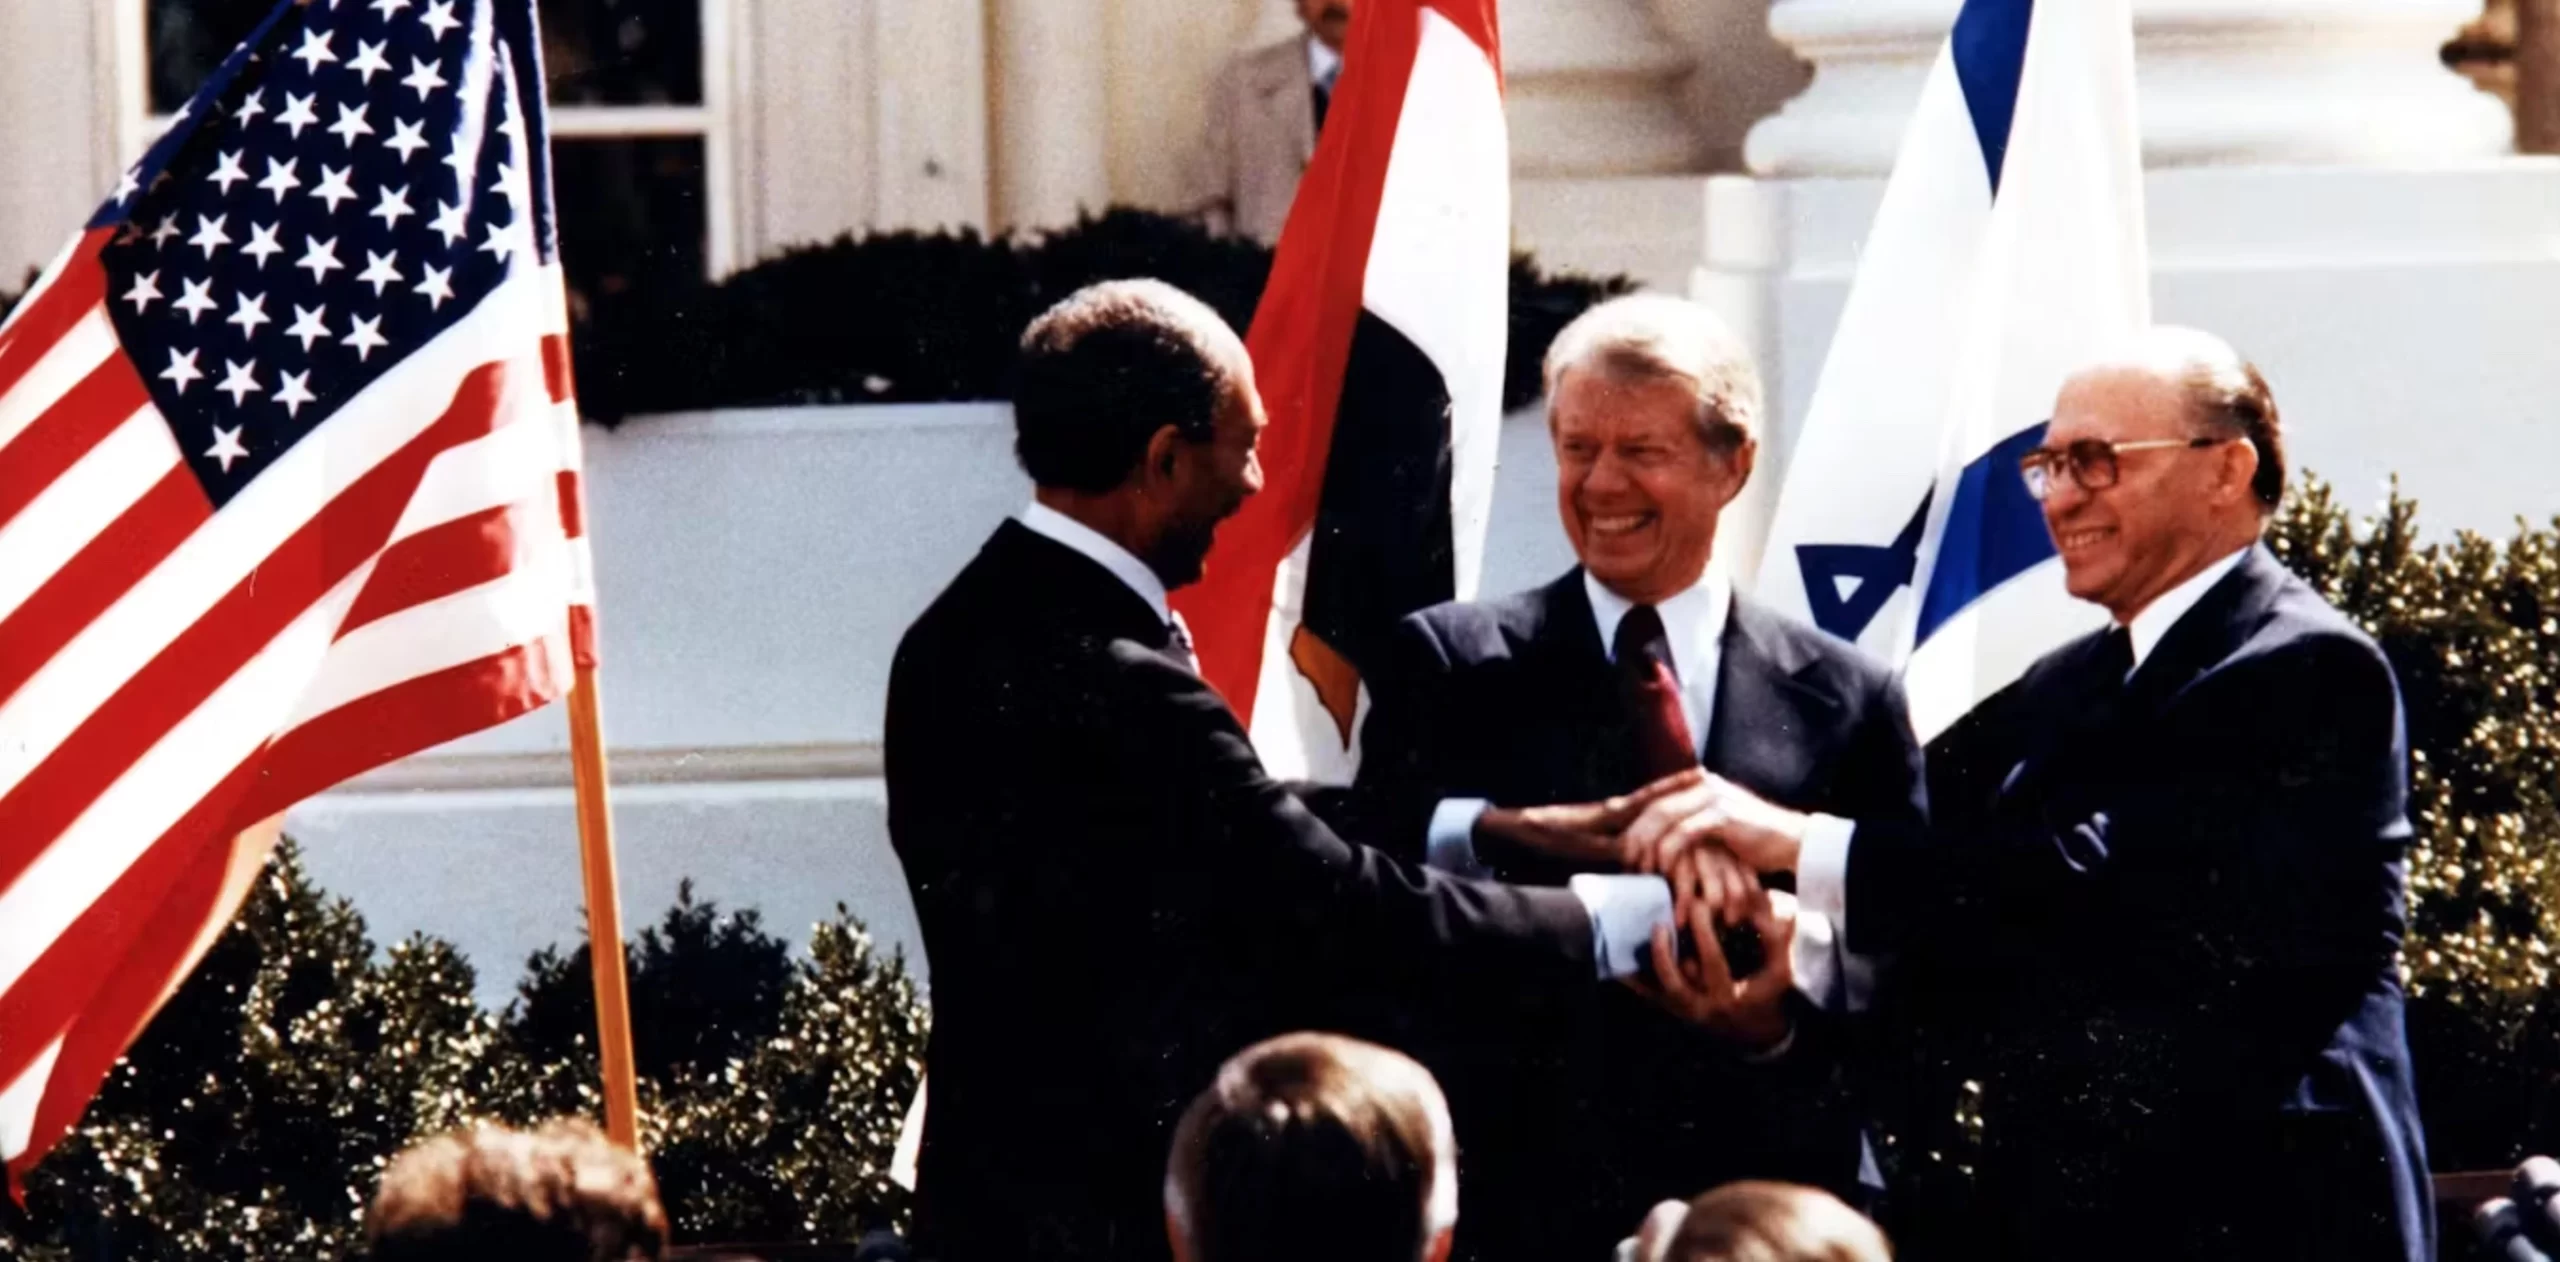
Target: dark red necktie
point(1652, 694)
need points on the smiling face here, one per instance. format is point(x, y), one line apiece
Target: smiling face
point(1205, 482)
point(1636, 483)
point(2172, 512)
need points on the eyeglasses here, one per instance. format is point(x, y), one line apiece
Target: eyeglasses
point(2091, 462)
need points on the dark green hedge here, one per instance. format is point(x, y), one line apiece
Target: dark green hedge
point(918, 317)
point(254, 1116)
point(2472, 627)
point(907, 317)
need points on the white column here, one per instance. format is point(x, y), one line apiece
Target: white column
point(1592, 88)
point(1050, 66)
point(59, 129)
point(1604, 149)
point(929, 129)
point(2264, 82)
point(856, 118)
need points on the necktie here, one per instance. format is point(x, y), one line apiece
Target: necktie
point(1642, 653)
point(1178, 643)
point(2079, 733)
point(1324, 101)
point(2113, 663)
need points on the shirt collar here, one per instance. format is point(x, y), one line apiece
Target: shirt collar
point(1123, 564)
point(2152, 625)
point(1323, 64)
point(1692, 621)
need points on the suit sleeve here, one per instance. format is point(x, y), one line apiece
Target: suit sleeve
point(1882, 776)
point(2250, 871)
point(1298, 896)
point(1880, 781)
point(1402, 747)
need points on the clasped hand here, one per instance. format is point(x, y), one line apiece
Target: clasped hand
point(1711, 839)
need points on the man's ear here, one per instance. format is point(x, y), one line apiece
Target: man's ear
point(1161, 449)
point(1746, 456)
point(2240, 468)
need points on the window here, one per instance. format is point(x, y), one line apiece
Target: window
point(639, 94)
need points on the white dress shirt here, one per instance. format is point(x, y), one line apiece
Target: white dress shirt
point(1822, 864)
point(1623, 909)
point(1323, 64)
point(1043, 520)
point(1693, 623)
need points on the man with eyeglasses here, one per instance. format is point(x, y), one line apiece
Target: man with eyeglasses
point(2157, 911)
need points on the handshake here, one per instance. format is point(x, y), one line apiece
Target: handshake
point(1711, 839)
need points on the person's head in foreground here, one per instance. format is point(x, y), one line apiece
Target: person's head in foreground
point(561, 1192)
point(1134, 412)
point(2156, 465)
point(1314, 1146)
point(1759, 1222)
point(1654, 409)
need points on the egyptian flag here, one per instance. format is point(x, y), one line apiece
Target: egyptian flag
point(1378, 348)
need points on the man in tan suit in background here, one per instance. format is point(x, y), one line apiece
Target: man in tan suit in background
point(1264, 110)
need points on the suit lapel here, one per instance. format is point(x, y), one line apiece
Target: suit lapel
point(2086, 719)
point(2208, 634)
point(1767, 724)
point(1583, 717)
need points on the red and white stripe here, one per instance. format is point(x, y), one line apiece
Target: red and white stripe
point(171, 675)
point(1405, 212)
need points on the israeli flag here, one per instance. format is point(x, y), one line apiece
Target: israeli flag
point(2008, 253)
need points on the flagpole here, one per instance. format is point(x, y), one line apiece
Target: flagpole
point(604, 913)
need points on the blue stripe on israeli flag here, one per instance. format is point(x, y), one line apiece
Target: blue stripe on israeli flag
point(1989, 46)
point(2007, 253)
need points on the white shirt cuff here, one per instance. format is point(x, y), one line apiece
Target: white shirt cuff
point(1822, 867)
point(1450, 844)
point(1624, 911)
point(1816, 957)
point(1846, 979)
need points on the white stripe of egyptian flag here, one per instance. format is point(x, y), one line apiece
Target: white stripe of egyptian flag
point(1379, 351)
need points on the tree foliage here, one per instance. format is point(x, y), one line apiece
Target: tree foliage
point(923, 317)
point(2472, 627)
point(254, 1116)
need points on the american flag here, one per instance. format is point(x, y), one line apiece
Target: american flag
point(288, 490)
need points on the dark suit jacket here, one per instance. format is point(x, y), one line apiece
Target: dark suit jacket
point(2158, 921)
point(1572, 1125)
point(1115, 898)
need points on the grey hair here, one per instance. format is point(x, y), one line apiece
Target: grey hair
point(1656, 337)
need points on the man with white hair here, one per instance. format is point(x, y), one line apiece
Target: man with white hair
point(1506, 737)
point(1314, 1146)
point(2157, 913)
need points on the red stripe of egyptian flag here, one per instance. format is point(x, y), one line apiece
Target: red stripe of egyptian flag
point(1302, 344)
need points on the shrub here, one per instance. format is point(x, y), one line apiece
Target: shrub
point(908, 317)
point(254, 1116)
point(2472, 628)
point(932, 317)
